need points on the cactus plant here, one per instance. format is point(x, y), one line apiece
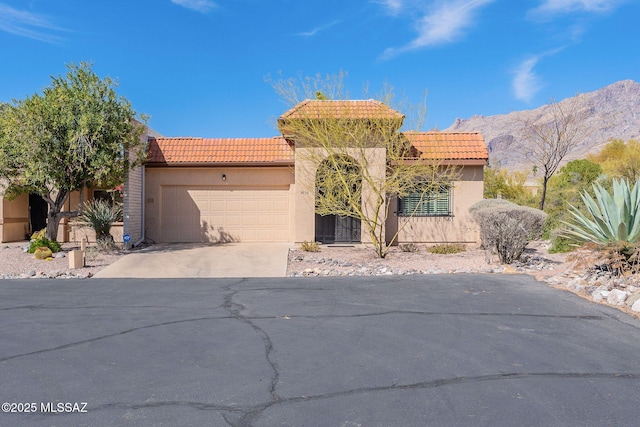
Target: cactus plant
point(100, 215)
point(610, 219)
point(43, 252)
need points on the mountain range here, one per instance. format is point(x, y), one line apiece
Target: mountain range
point(612, 112)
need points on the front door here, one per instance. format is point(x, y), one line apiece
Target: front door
point(337, 229)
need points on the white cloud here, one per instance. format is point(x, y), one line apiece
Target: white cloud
point(392, 6)
point(197, 5)
point(526, 83)
point(550, 8)
point(444, 24)
point(27, 24)
point(318, 29)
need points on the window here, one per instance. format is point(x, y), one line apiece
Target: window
point(434, 203)
point(112, 196)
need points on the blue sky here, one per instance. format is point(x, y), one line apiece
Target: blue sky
point(198, 67)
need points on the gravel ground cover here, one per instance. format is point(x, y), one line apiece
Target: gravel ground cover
point(359, 260)
point(15, 263)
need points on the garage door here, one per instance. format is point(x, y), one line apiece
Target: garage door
point(204, 214)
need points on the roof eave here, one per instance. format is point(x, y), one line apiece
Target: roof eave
point(219, 164)
point(448, 162)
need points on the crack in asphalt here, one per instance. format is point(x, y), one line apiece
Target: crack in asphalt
point(115, 334)
point(102, 337)
point(320, 316)
point(234, 314)
point(235, 310)
point(425, 313)
point(249, 413)
point(245, 415)
point(93, 307)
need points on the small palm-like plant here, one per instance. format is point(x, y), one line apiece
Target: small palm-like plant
point(611, 219)
point(100, 215)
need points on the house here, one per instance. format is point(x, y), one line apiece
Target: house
point(262, 189)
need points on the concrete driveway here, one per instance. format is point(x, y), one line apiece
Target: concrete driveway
point(437, 350)
point(202, 260)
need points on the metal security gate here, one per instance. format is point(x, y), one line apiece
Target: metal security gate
point(337, 229)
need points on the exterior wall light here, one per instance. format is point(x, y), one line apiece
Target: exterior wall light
point(224, 177)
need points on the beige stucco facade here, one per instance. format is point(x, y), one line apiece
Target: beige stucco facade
point(306, 167)
point(457, 228)
point(14, 218)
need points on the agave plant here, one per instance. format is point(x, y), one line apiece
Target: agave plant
point(100, 215)
point(611, 219)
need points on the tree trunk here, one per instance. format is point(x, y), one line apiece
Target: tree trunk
point(55, 214)
point(53, 222)
point(545, 181)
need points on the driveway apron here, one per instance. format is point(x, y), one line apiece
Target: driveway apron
point(203, 261)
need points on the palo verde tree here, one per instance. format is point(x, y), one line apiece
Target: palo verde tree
point(354, 159)
point(551, 137)
point(76, 133)
point(619, 159)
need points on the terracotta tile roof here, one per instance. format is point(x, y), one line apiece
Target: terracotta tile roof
point(454, 146)
point(176, 151)
point(356, 109)
point(449, 145)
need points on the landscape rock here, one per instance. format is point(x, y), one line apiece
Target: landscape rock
point(617, 297)
point(632, 298)
point(600, 295)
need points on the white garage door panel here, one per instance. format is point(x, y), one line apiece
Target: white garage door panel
point(208, 214)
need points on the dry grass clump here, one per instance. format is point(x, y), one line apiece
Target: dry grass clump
point(447, 249)
point(409, 247)
point(310, 246)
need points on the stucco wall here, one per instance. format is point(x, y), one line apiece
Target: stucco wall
point(459, 228)
point(14, 218)
point(211, 177)
point(77, 234)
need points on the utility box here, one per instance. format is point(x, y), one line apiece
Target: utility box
point(76, 259)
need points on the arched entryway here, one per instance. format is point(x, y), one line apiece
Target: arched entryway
point(338, 189)
point(38, 210)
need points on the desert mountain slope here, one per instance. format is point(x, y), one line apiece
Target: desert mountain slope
point(613, 113)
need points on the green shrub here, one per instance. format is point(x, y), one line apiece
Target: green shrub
point(560, 244)
point(449, 248)
point(507, 228)
point(38, 240)
point(38, 235)
point(310, 246)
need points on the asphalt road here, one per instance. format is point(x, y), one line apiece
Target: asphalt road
point(448, 350)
